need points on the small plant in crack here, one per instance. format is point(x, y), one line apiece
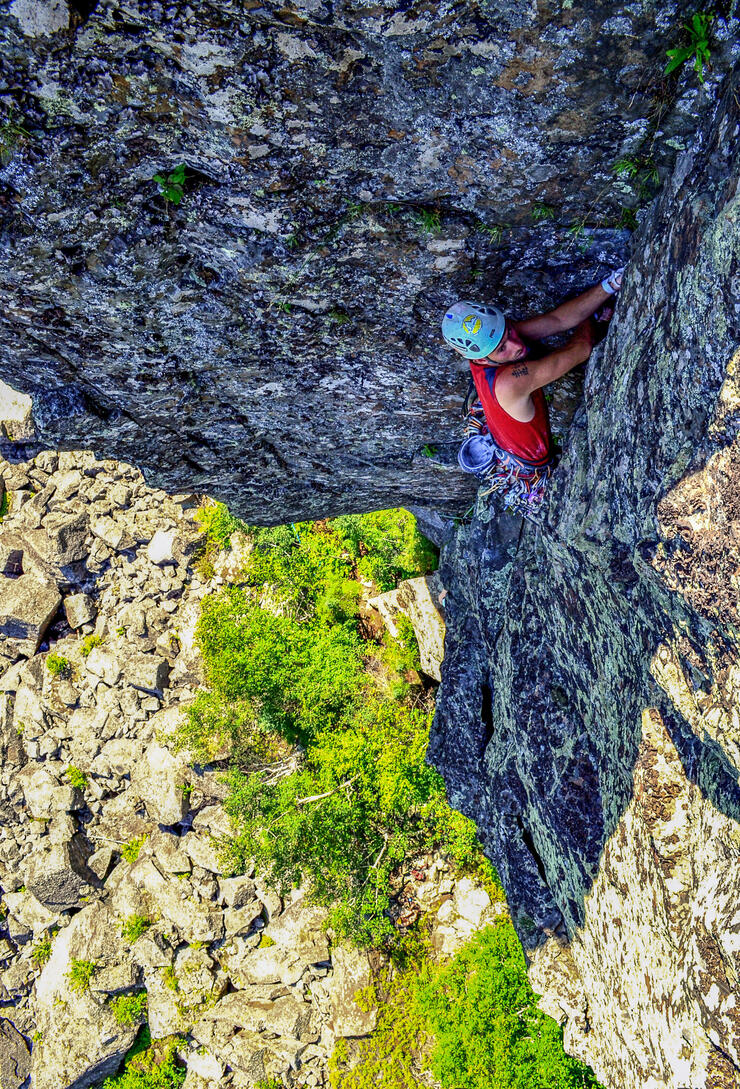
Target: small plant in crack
point(172, 185)
point(697, 47)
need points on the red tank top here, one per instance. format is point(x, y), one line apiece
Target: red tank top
point(527, 440)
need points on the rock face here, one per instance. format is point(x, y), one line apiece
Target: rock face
point(272, 338)
point(588, 716)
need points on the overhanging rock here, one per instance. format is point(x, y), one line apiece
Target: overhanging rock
point(272, 339)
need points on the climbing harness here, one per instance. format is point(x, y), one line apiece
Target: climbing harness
point(472, 329)
point(520, 483)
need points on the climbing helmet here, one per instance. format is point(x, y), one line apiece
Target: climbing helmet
point(473, 329)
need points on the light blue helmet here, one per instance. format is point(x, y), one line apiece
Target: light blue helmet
point(472, 329)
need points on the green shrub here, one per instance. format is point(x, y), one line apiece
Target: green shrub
point(58, 665)
point(281, 674)
point(130, 850)
point(489, 1032)
point(219, 523)
point(387, 546)
point(129, 1009)
point(76, 778)
point(134, 926)
point(41, 952)
point(80, 973)
point(364, 802)
point(89, 643)
point(149, 1066)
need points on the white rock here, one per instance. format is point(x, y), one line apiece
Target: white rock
point(160, 549)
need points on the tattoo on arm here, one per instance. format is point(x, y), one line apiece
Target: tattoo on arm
point(519, 371)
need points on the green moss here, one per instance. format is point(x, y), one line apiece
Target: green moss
point(129, 1009)
point(149, 1066)
point(134, 926)
point(76, 778)
point(41, 952)
point(130, 850)
point(58, 665)
point(79, 975)
point(89, 643)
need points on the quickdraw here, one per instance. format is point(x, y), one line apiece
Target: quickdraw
point(520, 484)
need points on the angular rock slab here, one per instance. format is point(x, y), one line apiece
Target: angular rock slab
point(59, 875)
point(350, 975)
point(419, 601)
point(158, 780)
point(15, 1058)
point(81, 1041)
point(27, 607)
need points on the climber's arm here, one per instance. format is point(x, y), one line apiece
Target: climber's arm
point(516, 382)
point(566, 316)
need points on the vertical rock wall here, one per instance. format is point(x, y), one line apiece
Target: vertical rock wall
point(588, 715)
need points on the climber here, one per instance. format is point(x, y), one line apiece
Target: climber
point(509, 372)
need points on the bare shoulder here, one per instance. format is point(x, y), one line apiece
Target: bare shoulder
point(514, 386)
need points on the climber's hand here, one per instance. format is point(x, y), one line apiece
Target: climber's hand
point(604, 314)
point(613, 281)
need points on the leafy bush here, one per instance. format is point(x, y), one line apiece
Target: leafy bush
point(149, 1066)
point(80, 973)
point(76, 778)
point(89, 643)
point(41, 952)
point(130, 850)
point(387, 546)
point(134, 926)
point(129, 1009)
point(364, 802)
point(58, 665)
point(219, 523)
point(489, 1032)
point(281, 674)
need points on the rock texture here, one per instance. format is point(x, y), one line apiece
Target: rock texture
point(588, 716)
point(271, 340)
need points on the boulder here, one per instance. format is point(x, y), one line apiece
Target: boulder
point(59, 875)
point(286, 1016)
point(38, 18)
point(82, 1043)
point(27, 607)
point(79, 609)
point(471, 900)
point(61, 539)
point(419, 601)
point(236, 892)
point(104, 664)
point(146, 671)
point(45, 796)
point(270, 964)
point(158, 780)
point(24, 907)
point(351, 974)
point(15, 1058)
point(113, 533)
point(161, 548)
point(16, 421)
point(302, 929)
point(176, 901)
